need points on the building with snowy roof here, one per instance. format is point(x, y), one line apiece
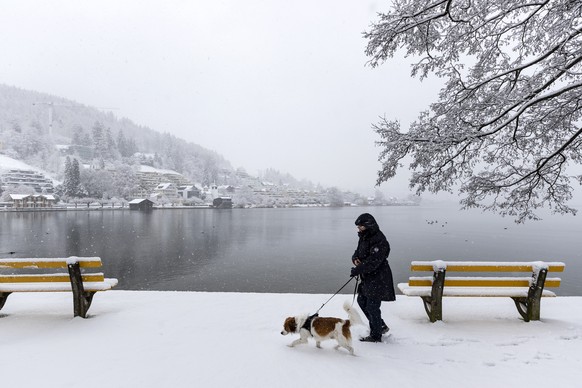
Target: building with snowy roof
point(141, 204)
point(150, 178)
point(32, 200)
point(30, 178)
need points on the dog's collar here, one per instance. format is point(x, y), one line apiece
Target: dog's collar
point(307, 324)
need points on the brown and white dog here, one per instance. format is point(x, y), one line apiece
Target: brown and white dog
point(323, 328)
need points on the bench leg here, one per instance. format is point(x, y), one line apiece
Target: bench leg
point(433, 308)
point(82, 303)
point(3, 297)
point(529, 307)
point(81, 299)
point(522, 308)
point(433, 304)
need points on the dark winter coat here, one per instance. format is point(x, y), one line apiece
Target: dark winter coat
point(374, 271)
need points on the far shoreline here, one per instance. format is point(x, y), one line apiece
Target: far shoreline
point(179, 207)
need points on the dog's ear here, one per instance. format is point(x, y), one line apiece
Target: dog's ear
point(290, 325)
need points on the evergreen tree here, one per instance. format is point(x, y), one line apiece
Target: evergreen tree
point(122, 144)
point(99, 140)
point(72, 180)
point(126, 147)
point(76, 178)
point(86, 139)
point(77, 138)
point(68, 179)
point(210, 171)
point(110, 145)
point(131, 147)
point(157, 160)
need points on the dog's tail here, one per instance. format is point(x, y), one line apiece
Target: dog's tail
point(353, 315)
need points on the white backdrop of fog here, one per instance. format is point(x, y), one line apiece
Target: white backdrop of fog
point(268, 84)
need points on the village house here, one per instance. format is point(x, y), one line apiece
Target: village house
point(141, 204)
point(165, 190)
point(189, 191)
point(32, 200)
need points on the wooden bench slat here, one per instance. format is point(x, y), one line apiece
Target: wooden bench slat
point(107, 284)
point(84, 262)
point(476, 266)
point(56, 277)
point(481, 282)
point(511, 292)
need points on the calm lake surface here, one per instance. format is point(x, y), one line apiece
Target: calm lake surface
point(305, 250)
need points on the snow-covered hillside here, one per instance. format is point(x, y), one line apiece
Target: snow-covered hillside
point(8, 163)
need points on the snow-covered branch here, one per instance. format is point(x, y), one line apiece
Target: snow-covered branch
point(507, 125)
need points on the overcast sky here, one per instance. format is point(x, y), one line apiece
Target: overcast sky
point(268, 84)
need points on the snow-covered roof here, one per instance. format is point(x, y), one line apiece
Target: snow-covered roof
point(164, 186)
point(145, 168)
point(189, 188)
point(15, 197)
point(19, 196)
point(138, 200)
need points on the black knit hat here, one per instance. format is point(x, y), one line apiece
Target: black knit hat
point(366, 220)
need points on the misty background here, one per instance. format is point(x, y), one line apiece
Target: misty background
point(265, 84)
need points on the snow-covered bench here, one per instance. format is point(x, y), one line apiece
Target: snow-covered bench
point(526, 292)
point(30, 275)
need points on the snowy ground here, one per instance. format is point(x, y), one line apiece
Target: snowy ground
point(191, 339)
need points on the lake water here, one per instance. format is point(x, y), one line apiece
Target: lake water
point(305, 250)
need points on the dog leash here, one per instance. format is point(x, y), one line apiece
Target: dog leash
point(355, 289)
point(337, 292)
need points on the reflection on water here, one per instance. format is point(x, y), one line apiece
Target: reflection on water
point(279, 250)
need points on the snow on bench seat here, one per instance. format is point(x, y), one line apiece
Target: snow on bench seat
point(511, 292)
point(105, 285)
point(485, 266)
point(34, 263)
point(51, 277)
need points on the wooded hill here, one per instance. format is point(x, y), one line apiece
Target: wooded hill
point(100, 138)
